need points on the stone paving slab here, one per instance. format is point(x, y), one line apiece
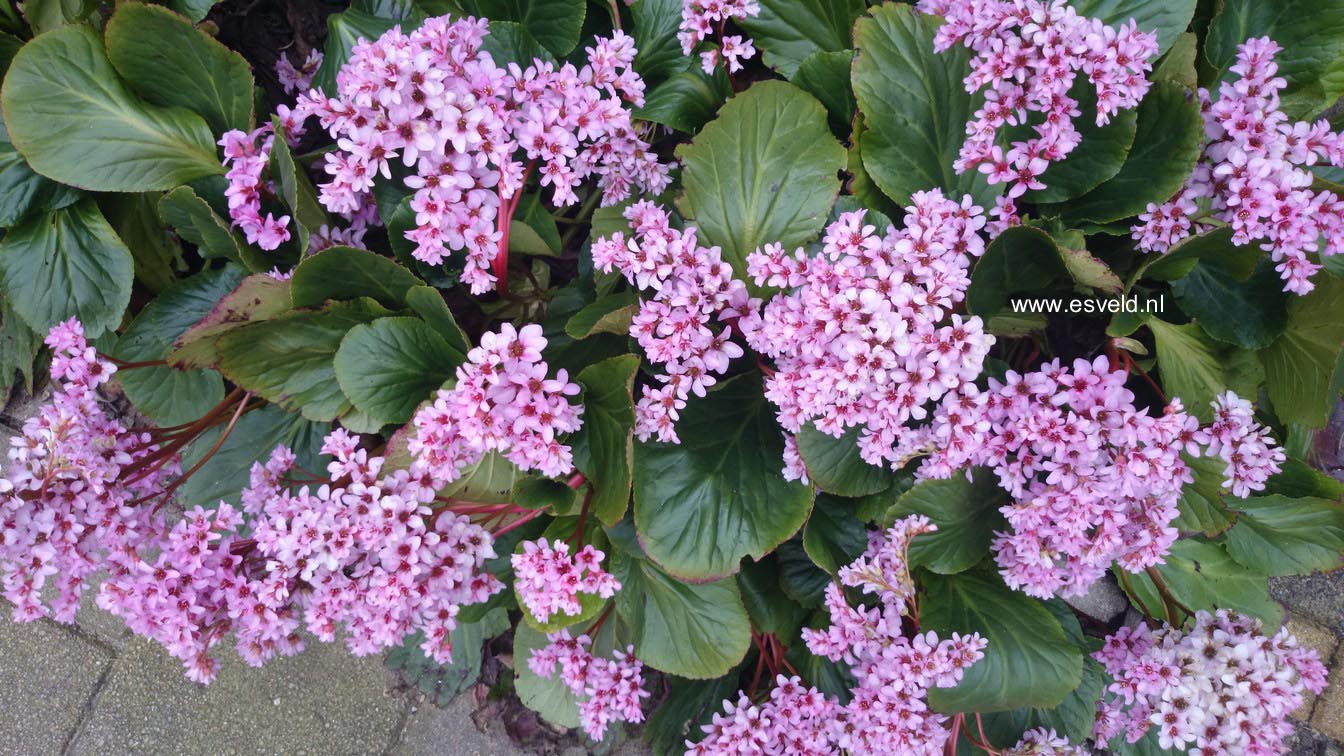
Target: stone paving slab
point(48, 677)
point(323, 702)
point(431, 731)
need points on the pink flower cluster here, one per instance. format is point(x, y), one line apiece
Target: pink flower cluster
point(1094, 479)
point(864, 333)
point(73, 474)
point(1254, 176)
point(692, 286)
point(294, 80)
point(887, 713)
point(435, 99)
point(1027, 55)
point(366, 553)
point(702, 19)
point(502, 402)
point(246, 159)
point(612, 689)
point(549, 580)
point(1219, 687)
point(1043, 742)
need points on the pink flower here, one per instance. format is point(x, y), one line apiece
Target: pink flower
point(549, 581)
point(612, 690)
point(700, 19)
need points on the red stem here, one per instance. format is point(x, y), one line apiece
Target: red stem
point(500, 267)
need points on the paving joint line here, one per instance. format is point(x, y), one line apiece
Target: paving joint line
point(86, 712)
point(399, 731)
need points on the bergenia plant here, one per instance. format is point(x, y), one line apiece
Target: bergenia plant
point(769, 376)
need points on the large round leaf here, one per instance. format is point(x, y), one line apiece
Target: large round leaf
point(766, 170)
point(348, 273)
point(167, 395)
point(389, 366)
point(252, 440)
point(834, 465)
point(1311, 33)
point(703, 504)
point(1300, 364)
point(549, 696)
point(788, 31)
point(258, 297)
point(74, 121)
point(555, 23)
point(1202, 575)
point(67, 263)
point(915, 105)
point(24, 192)
point(966, 513)
point(604, 447)
point(1248, 313)
point(1029, 660)
point(1166, 17)
point(168, 61)
point(1166, 146)
point(1021, 260)
point(696, 630)
point(1278, 535)
point(1197, 369)
point(834, 535)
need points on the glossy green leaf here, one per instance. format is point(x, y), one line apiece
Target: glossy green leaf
point(1166, 17)
point(685, 101)
point(289, 360)
point(788, 31)
point(766, 170)
point(1196, 368)
point(1178, 65)
point(67, 263)
point(429, 305)
point(1097, 158)
point(555, 23)
point(825, 76)
point(156, 252)
point(834, 465)
point(348, 273)
point(703, 504)
point(834, 536)
point(511, 42)
point(195, 221)
point(1301, 362)
point(45, 15)
point(196, 10)
point(1202, 508)
point(1166, 145)
point(1202, 575)
point(364, 19)
point(1029, 660)
point(167, 61)
point(655, 28)
point(74, 121)
point(1278, 535)
point(694, 630)
point(166, 395)
point(1182, 258)
point(389, 366)
point(966, 513)
point(550, 697)
point(1247, 313)
point(610, 314)
point(23, 192)
point(1311, 33)
point(19, 346)
point(489, 481)
point(915, 105)
point(604, 446)
point(1021, 260)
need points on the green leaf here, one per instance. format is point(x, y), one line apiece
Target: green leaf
point(770, 610)
point(259, 297)
point(168, 61)
point(610, 314)
point(834, 465)
point(703, 504)
point(1311, 33)
point(429, 305)
point(1301, 362)
point(766, 170)
point(1178, 64)
point(1248, 313)
point(536, 492)
point(349, 273)
point(825, 76)
point(295, 190)
point(533, 231)
point(156, 253)
point(1166, 17)
point(489, 481)
point(19, 346)
point(590, 604)
point(45, 15)
point(1202, 575)
point(1201, 506)
point(1194, 367)
point(511, 42)
point(289, 360)
point(788, 31)
point(687, 100)
point(1029, 660)
point(67, 263)
point(834, 536)
point(799, 577)
point(166, 395)
point(253, 438)
point(555, 23)
point(443, 682)
point(966, 513)
point(389, 366)
point(604, 445)
point(1166, 145)
point(689, 705)
point(364, 19)
point(1098, 157)
point(550, 697)
point(1071, 719)
point(23, 192)
point(1021, 260)
point(915, 105)
point(1183, 257)
point(699, 631)
point(70, 116)
point(194, 220)
point(196, 10)
point(656, 23)
point(1278, 535)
